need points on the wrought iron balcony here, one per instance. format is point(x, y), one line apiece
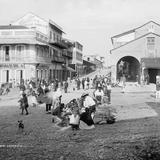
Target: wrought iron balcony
point(67, 53)
point(57, 59)
point(59, 44)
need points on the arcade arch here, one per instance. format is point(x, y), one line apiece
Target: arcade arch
point(129, 67)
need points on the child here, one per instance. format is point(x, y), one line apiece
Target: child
point(74, 120)
point(33, 99)
point(24, 103)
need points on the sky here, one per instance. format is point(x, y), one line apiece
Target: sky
point(90, 22)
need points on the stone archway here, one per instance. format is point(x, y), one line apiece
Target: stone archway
point(129, 67)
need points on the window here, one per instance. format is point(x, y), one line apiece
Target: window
point(54, 36)
point(50, 35)
point(7, 56)
point(150, 40)
point(20, 50)
point(37, 52)
point(151, 46)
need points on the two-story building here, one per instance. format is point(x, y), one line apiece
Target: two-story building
point(55, 44)
point(68, 54)
point(22, 49)
point(136, 53)
point(96, 59)
point(76, 62)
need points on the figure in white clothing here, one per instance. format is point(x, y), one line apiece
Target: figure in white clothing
point(99, 95)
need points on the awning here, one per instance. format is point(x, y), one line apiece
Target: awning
point(69, 69)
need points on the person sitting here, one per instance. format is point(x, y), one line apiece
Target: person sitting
point(74, 119)
point(88, 102)
point(99, 95)
point(86, 121)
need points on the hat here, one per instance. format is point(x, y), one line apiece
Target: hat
point(24, 94)
point(85, 94)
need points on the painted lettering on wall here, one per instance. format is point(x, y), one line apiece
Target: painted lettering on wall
point(12, 66)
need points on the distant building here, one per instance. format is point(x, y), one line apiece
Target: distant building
point(95, 59)
point(77, 53)
point(136, 53)
point(88, 67)
point(68, 55)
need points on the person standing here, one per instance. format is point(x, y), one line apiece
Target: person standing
point(48, 101)
point(74, 84)
point(24, 103)
point(83, 83)
point(157, 87)
point(65, 86)
point(109, 92)
point(88, 80)
point(78, 84)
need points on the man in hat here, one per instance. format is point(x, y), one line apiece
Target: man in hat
point(88, 102)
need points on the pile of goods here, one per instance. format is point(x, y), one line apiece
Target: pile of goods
point(105, 114)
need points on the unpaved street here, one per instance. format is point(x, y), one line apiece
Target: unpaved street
point(138, 123)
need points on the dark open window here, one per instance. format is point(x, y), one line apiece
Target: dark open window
point(6, 49)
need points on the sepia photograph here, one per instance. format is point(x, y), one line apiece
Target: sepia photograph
point(80, 80)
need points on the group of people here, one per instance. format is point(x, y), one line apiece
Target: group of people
point(79, 113)
point(4, 89)
point(46, 93)
point(85, 83)
point(102, 91)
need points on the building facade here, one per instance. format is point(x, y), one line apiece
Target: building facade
point(54, 33)
point(21, 51)
point(77, 60)
point(76, 63)
point(95, 59)
point(32, 48)
point(136, 53)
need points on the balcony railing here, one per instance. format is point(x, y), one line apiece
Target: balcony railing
point(7, 58)
point(59, 44)
point(67, 53)
point(58, 59)
point(23, 34)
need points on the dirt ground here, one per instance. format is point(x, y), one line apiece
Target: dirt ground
point(127, 139)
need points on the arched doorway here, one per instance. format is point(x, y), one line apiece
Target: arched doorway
point(129, 67)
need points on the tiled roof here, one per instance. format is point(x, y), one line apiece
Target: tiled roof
point(12, 27)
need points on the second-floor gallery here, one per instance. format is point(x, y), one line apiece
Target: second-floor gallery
point(32, 47)
point(136, 53)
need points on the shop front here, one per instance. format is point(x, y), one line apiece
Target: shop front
point(42, 72)
point(55, 72)
point(150, 68)
point(12, 73)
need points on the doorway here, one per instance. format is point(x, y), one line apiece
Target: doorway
point(152, 72)
point(5, 76)
point(129, 67)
